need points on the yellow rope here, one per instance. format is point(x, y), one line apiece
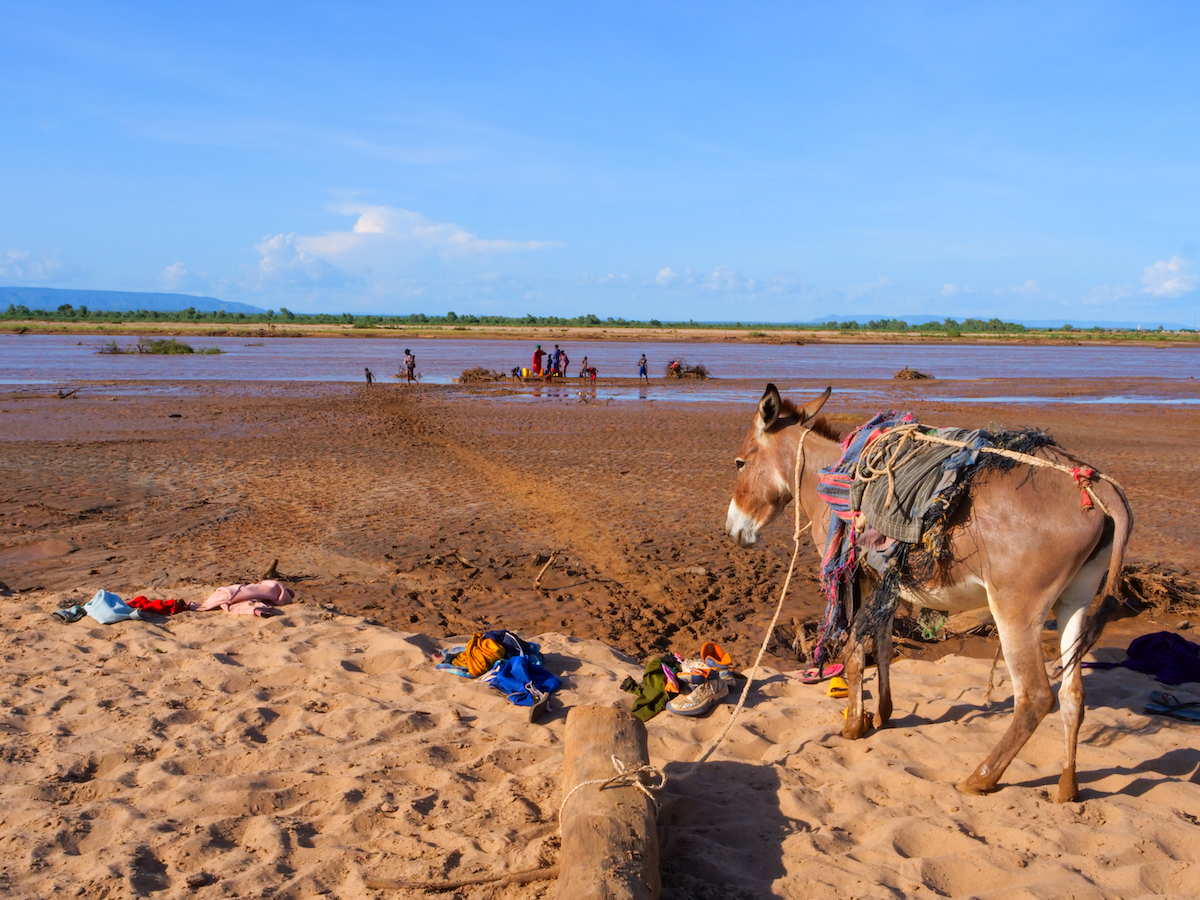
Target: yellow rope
point(774, 619)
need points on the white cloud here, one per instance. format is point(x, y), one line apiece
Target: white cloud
point(1106, 293)
point(949, 290)
point(177, 278)
point(282, 261)
point(1171, 278)
point(723, 278)
point(21, 265)
point(666, 276)
point(1029, 288)
point(173, 276)
point(858, 290)
point(391, 225)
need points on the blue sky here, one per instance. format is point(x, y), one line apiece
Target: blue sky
point(754, 162)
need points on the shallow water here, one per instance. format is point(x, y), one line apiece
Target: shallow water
point(65, 359)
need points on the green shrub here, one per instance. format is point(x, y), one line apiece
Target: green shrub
point(163, 346)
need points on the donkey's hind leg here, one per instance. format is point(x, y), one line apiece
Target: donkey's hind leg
point(1032, 698)
point(1071, 613)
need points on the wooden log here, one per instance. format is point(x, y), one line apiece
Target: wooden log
point(609, 838)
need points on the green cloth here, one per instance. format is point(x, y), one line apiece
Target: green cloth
point(651, 693)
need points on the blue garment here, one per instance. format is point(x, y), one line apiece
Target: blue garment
point(515, 645)
point(107, 607)
point(515, 675)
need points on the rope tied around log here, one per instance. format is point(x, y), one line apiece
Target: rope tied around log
point(647, 779)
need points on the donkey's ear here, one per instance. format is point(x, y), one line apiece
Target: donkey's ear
point(768, 408)
point(812, 407)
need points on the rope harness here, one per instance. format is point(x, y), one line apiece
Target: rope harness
point(882, 457)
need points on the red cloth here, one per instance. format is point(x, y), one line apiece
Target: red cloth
point(162, 607)
point(1083, 477)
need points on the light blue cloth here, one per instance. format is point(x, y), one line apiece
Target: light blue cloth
point(106, 608)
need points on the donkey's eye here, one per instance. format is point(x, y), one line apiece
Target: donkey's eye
point(740, 463)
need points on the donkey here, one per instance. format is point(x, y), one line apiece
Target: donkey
point(1020, 547)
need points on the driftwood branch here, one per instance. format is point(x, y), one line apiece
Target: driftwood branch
point(537, 582)
point(384, 884)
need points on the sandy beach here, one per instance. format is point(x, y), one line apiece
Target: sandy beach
point(303, 754)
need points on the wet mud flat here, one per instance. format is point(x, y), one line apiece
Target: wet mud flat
point(435, 509)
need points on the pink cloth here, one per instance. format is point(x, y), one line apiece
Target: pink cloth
point(248, 599)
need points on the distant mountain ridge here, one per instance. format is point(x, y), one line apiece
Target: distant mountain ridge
point(50, 299)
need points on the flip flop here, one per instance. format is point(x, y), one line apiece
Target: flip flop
point(1165, 704)
point(541, 703)
point(813, 675)
point(838, 688)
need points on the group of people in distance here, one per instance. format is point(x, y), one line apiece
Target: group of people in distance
point(555, 363)
point(545, 365)
point(551, 365)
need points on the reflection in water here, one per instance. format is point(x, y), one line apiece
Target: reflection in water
point(643, 392)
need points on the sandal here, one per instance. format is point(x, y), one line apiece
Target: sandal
point(1165, 704)
point(838, 688)
point(541, 703)
point(813, 675)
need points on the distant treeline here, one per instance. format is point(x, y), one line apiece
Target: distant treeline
point(69, 313)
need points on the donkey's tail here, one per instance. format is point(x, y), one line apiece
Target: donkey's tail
point(1104, 611)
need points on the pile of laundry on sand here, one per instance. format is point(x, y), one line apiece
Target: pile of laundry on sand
point(258, 599)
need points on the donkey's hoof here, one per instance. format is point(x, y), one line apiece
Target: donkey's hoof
point(853, 730)
point(1068, 790)
point(972, 786)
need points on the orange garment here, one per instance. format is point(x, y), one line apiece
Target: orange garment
point(481, 654)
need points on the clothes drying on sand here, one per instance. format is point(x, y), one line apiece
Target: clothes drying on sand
point(258, 599)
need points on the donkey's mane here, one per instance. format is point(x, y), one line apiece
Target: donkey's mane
point(820, 425)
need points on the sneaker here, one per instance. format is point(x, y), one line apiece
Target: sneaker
point(701, 699)
point(712, 658)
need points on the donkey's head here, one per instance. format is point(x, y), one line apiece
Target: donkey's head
point(765, 465)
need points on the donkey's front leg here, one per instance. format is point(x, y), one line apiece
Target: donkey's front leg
point(856, 718)
point(883, 665)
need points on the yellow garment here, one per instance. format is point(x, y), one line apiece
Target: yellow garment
point(481, 654)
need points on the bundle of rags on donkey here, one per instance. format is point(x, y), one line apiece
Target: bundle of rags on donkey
point(951, 520)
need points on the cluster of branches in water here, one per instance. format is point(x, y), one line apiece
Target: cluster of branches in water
point(951, 327)
point(160, 346)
